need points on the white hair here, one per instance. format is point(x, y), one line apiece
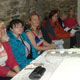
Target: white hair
point(5, 37)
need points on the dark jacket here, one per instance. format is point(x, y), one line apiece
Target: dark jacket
point(54, 30)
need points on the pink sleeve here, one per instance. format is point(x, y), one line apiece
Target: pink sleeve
point(11, 62)
point(3, 71)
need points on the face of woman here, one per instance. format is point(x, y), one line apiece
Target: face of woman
point(17, 29)
point(71, 12)
point(63, 17)
point(55, 17)
point(35, 21)
point(2, 30)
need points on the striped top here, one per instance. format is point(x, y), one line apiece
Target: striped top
point(39, 41)
point(3, 56)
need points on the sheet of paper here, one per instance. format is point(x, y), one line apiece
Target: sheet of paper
point(67, 29)
point(73, 31)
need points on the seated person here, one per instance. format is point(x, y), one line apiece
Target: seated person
point(24, 51)
point(54, 29)
point(61, 20)
point(8, 65)
point(72, 22)
point(35, 35)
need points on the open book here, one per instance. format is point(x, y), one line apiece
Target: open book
point(67, 29)
point(73, 31)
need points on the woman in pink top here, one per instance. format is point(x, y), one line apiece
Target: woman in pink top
point(8, 64)
point(72, 22)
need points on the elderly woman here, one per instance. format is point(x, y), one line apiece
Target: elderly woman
point(8, 64)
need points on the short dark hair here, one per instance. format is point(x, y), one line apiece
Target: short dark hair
point(14, 22)
point(53, 12)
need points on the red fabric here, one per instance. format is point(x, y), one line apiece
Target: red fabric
point(44, 22)
point(11, 62)
point(58, 30)
point(41, 45)
point(69, 22)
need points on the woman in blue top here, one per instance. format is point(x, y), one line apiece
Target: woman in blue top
point(23, 50)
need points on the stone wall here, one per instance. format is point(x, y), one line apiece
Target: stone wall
point(78, 11)
point(47, 5)
point(10, 9)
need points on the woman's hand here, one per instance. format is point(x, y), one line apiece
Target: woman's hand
point(53, 44)
point(11, 73)
point(71, 35)
point(74, 27)
point(17, 69)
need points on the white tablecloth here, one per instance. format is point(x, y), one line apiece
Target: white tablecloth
point(56, 69)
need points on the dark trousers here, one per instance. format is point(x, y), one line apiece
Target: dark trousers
point(5, 78)
point(73, 41)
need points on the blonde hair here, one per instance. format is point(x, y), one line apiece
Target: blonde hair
point(32, 14)
point(30, 17)
point(5, 37)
